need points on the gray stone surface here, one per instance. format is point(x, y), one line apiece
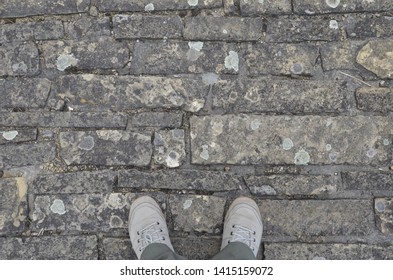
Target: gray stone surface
point(340, 55)
point(17, 136)
point(375, 99)
point(24, 93)
point(169, 147)
point(13, 206)
point(101, 181)
point(106, 147)
point(377, 26)
point(253, 139)
point(31, 31)
point(185, 57)
point(81, 212)
point(27, 154)
point(157, 119)
point(49, 248)
point(19, 59)
point(87, 28)
point(152, 27)
point(102, 53)
point(258, 7)
point(280, 59)
point(311, 7)
point(312, 185)
point(118, 249)
point(311, 218)
point(335, 251)
point(189, 213)
point(368, 180)
point(223, 28)
point(64, 119)
point(279, 96)
point(384, 215)
point(179, 180)
point(14, 8)
point(120, 93)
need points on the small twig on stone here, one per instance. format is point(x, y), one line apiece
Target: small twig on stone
point(345, 74)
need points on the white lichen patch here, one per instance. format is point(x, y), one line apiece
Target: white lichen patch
point(195, 50)
point(149, 7)
point(379, 206)
point(115, 222)
point(302, 157)
point(333, 3)
point(386, 142)
point(112, 135)
point(58, 207)
point(187, 204)
point(287, 144)
point(232, 61)
point(255, 124)
point(173, 159)
point(87, 143)
point(328, 147)
point(10, 135)
point(210, 78)
point(205, 152)
point(196, 46)
point(66, 60)
point(333, 24)
point(371, 153)
point(193, 3)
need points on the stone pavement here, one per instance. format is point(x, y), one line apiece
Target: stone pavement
point(196, 102)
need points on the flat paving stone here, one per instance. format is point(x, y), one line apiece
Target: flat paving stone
point(311, 218)
point(300, 140)
point(340, 55)
point(278, 96)
point(154, 27)
point(184, 57)
point(311, 7)
point(101, 181)
point(17, 136)
point(368, 180)
point(223, 28)
point(180, 180)
point(86, 27)
point(377, 26)
point(19, 59)
point(375, 99)
point(157, 119)
point(24, 93)
point(121, 93)
point(335, 251)
point(260, 7)
point(13, 206)
point(15, 8)
point(280, 59)
point(384, 214)
point(81, 212)
point(169, 147)
point(189, 213)
point(49, 248)
point(106, 147)
point(118, 249)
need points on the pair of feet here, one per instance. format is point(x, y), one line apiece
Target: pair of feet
point(147, 225)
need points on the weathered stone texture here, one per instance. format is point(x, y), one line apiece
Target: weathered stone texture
point(280, 59)
point(368, 180)
point(384, 215)
point(279, 96)
point(317, 185)
point(335, 251)
point(157, 119)
point(340, 55)
point(179, 180)
point(19, 59)
point(27, 154)
point(189, 213)
point(182, 57)
point(102, 53)
point(252, 139)
point(13, 205)
point(308, 218)
point(311, 7)
point(81, 212)
point(120, 93)
point(375, 99)
point(377, 26)
point(12, 8)
point(259, 7)
point(118, 249)
point(101, 181)
point(31, 31)
point(17, 136)
point(169, 147)
point(24, 93)
point(152, 27)
point(87, 28)
point(49, 248)
point(223, 28)
point(106, 147)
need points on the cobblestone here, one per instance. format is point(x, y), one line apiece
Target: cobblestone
point(19, 59)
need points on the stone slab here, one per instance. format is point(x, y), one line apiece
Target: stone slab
point(86, 27)
point(102, 53)
point(19, 59)
point(27, 154)
point(151, 27)
point(180, 180)
point(118, 249)
point(106, 147)
point(81, 212)
point(261, 7)
point(101, 181)
point(384, 214)
point(313, 218)
point(169, 147)
point(290, 185)
point(121, 93)
point(17, 136)
point(13, 205)
point(375, 99)
point(334, 251)
point(32, 31)
point(368, 180)
point(157, 119)
point(49, 248)
point(223, 28)
point(184, 57)
point(311, 7)
point(189, 213)
point(300, 140)
point(280, 59)
point(340, 55)
point(14, 8)
point(24, 93)
point(377, 26)
point(64, 119)
point(279, 96)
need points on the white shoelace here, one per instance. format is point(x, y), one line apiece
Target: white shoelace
point(150, 234)
point(244, 235)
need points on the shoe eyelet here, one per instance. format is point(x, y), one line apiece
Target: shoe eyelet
point(231, 232)
point(255, 233)
point(255, 240)
point(161, 230)
point(229, 241)
point(138, 233)
point(163, 238)
point(158, 223)
point(233, 226)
